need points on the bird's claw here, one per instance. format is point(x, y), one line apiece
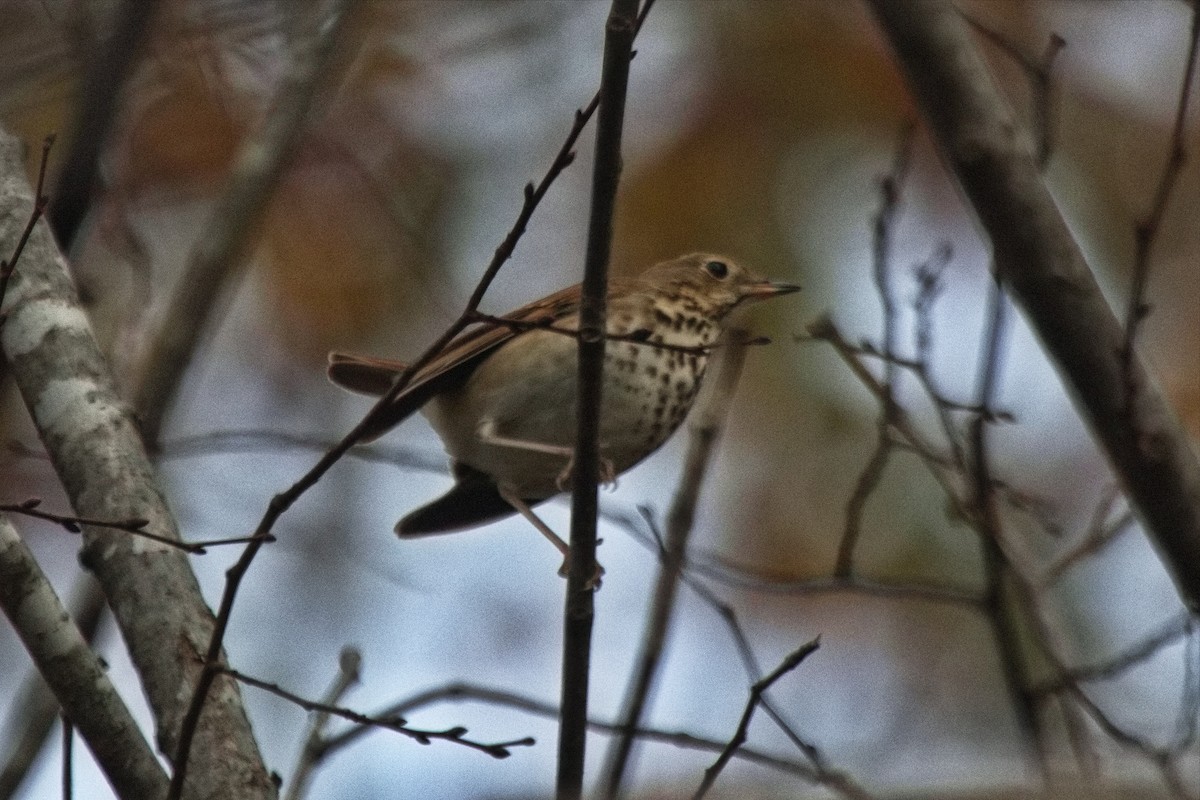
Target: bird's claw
point(608, 475)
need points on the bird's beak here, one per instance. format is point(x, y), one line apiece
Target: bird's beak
point(764, 289)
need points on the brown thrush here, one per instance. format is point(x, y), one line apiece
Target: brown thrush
point(502, 396)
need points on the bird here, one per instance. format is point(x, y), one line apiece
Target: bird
point(502, 395)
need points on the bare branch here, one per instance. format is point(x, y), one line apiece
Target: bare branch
point(104, 78)
point(75, 673)
point(461, 691)
point(39, 207)
point(872, 472)
point(739, 737)
point(1038, 70)
point(391, 723)
point(101, 463)
point(1167, 634)
point(221, 246)
point(134, 526)
point(34, 708)
point(1145, 232)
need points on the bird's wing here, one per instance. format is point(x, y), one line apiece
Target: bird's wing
point(449, 368)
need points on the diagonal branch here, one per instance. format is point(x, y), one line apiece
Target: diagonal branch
point(793, 660)
point(221, 246)
point(75, 673)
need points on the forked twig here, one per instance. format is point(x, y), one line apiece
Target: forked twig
point(790, 663)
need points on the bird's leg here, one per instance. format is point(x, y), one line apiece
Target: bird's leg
point(525, 511)
point(488, 435)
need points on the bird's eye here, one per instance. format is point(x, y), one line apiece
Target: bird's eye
point(718, 269)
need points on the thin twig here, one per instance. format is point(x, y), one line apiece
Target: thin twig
point(823, 774)
point(1039, 70)
point(462, 691)
point(1146, 230)
point(136, 527)
point(1097, 539)
point(39, 207)
point(872, 472)
point(1167, 634)
point(396, 724)
point(739, 736)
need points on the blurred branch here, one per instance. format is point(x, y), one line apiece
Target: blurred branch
point(1039, 70)
point(1162, 757)
point(1046, 272)
point(99, 101)
point(349, 667)
point(868, 479)
point(705, 429)
point(392, 723)
point(579, 612)
point(1003, 615)
point(1146, 231)
point(262, 441)
point(1097, 537)
point(756, 691)
point(101, 463)
point(221, 246)
point(75, 673)
point(1169, 633)
point(68, 753)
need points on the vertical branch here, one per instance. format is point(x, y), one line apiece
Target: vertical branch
point(881, 248)
point(705, 430)
point(68, 748)
point(1146, 230)
point(578, 613)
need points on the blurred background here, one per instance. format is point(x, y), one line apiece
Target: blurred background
point(757, 129)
